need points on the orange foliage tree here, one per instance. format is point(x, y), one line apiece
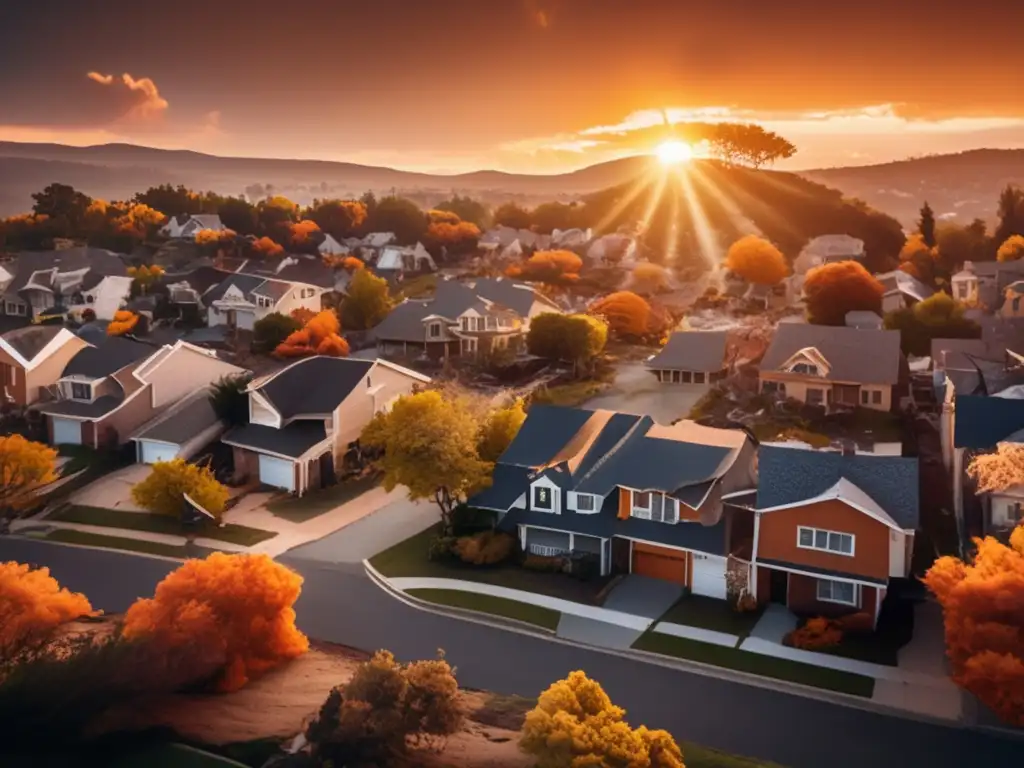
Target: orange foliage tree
point(300, 233)
point(435, 216)
point(349, 263)
point(1012, 249)
point(302, 315)
point(918, 259)
point(457, 236)
point(240, 605)
point(549, 267)
point(815, 633)
point(320, 336)
point(983, 608)
point(630, 316)
point(212, 236)
point(25, 466)
point(1000, 470)
point(756, 260)
point(139, 221)
point(266, 247)
point(123, 322)
point(32, 607)
point(832, 290)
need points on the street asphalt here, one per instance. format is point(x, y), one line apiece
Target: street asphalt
point(340, 604)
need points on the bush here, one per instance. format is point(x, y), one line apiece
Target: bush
point(544, 563)
point(372, 719)
point(441, 548)
point(814, 634)
point(484, 548)
point(585, 566)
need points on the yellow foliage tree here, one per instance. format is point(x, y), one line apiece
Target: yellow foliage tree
point(163, 491)
point(1000, 470)
point(575, 725)
point(756, 260)
point(917, 258)
point(25, 466)
point(499, 429)
point(123, 322)
point(1012, 249)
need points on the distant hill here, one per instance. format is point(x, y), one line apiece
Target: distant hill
point(961, 186)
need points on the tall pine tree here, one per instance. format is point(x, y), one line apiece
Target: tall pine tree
point(926, 225)
point(1011, 215)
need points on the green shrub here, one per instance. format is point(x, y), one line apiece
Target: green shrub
point(484, 548)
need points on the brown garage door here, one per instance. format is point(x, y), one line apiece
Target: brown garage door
point(667, 564)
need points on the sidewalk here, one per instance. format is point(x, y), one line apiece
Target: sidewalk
point(29, 525)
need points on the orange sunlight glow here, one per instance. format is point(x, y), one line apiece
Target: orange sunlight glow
point(674, 152)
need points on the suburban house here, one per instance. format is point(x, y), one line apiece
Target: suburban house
point(186, 227)
point(835, 366)
point(1012, 296)
point(32, 359)
point(469, 318)
point(404, 258)
point(691, 357)
point(985, 282)
point(981, 366)
point(632, 495)
point(108, 391)
point(242, 299)
point(72, 277)
point(832, 529)
point(331, 247)
point(304, 418)
point(901, 290)
point(181, 431)
point(863, 319)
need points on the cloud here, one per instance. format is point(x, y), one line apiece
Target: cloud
point(140, 98)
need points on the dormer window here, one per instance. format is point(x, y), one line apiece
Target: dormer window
point(80, 390)
point(543, 499)
point(806, 369)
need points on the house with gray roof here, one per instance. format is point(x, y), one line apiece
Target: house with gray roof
point(835, 367)
point(78, 277)
point(902, 290)
point(831, 530)
point(181, 431)
point(691, 357)
point(984, 283)
point(463, 319)
point(633, 495)
point(32, 359)
point(242, 299)
point(304, 418)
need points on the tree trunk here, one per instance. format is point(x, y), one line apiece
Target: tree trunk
point(447, 503)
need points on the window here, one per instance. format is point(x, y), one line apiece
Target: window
point(961, 290)
point(642, 504)
point(1013, 512)
point(876, 397)
point(307, 293)
point(814, 396)
point(838, 592)
point(586, 502)
point(468, 346)
point(825, 541)
point(543, 498)
point(698, 378)
point(771, 387)
point(264, 301)
point(805, 368)
point(864, 396)
point(492, 323)
point(434, 331)
point(669, 512)
point(81, 391)
point(464, 323)
point(544, 550)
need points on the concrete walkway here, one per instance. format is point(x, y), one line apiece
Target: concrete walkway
point(697, 633)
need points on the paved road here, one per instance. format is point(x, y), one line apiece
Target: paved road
point(635, 390)
point(340, 604)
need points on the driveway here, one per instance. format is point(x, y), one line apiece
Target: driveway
point(113, 491)
point(635, 390)
point(635, 595)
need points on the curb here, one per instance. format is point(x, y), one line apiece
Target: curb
point(670, 662)
point(112, 550)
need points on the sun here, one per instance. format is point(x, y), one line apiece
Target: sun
point(674, 152)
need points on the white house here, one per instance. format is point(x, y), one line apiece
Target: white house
point(240, 300)
point(331, 247)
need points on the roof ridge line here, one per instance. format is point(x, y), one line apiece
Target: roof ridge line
point(612, 451)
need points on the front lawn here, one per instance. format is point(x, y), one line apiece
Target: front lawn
point(143, 521)
point(709, 613)
point(757, 664)
point(409, 558)
point(67, 536)
point(571, 394)
point(498, 606)
point(299, 509)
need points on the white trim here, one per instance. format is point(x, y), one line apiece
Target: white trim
point(634, 508)
point(851, 579)
point(574, 501)
point(828, 533)
point(734, 494)
point(260, 450)
point(58, 340)
point(554, 495)
point(401, 369)
point(841, 491)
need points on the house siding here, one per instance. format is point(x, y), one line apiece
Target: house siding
point(120, 424)
point(293, 300)
point(12, 380)
point(803, 599)
point(359, 407)
point(777, 539)
point(47, 372)
point(183, 372)
point(797, 387)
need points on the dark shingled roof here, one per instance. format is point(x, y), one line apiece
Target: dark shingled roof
point(544, 433)
point(308, 271)
point(97, 260)
point(404, 322)
point(508, 483)
point(314, 386)
point(982, 422)
point(292, 440)
point(854, 354)
point(98, 407)
point(245, 283)
point(518, 297)
point(273, 289)
point(109, 356)
point(29, 342)
point(791, 475)
point(183, 422)
point(692, 351)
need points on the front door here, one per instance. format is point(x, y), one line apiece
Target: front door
point(778, 586)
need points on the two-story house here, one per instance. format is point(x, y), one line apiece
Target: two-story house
point(107, 391)
point(242, 299)
point(636, 496)
point(304, 418)
point(832, 529)
point(32, 359)
point(835, 366)
point(985, 282)
point(463, 319)
point(68, 278)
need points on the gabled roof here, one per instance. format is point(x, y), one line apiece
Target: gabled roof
point(109, 356)
point(982, 422)
point(34, 343)
point(314, 386)
point(182, 422)
point(404, 322)
point(853, 354)
point(272, 289)
point(899, 281)
point(97, 260)
point(307, 271)
point(792, 476)
point(519, 297)
point(208, 221)
point(291, 441)
point(246, 284)
point(692, 351)
point(544, 433)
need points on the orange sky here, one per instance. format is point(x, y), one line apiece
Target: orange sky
point(520, 85)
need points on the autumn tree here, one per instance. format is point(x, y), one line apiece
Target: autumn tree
point(400, 216)
point(451, 237)
point(214, 236)
point(512, 215)
point(547, 217)
point(650, 278)
point(549, 267)
point(917, 258)
point(164, 490)
point(264, 247)
point(338, 218)
point(238, 215)
point(995, 472)
point(271, 330)
point(630, 316)
point(304, 234)
point(124, 322)
point(575, 724)
point(1012, 249)
point(321, 335)
point(832, 290)
point(499, 428)
point(939, 316)
point(745, 143)
point(239, 605)
point(352, 263)
point(173, 201)
point(467, 209)
point(33, 606)
point(756, 260)
point(138, 222)
point(576, 339)
point(25, 466)
point(367, 301)
point(926, 225)
point(983, 608)
point(143, 277)
point(429, 444)
point(302, 315)
point(385, 707)
point(63, 205)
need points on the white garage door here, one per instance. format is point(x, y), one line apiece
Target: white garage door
point(67, 432)
point(708, 575)
point(277, 472)
point(154, 452)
